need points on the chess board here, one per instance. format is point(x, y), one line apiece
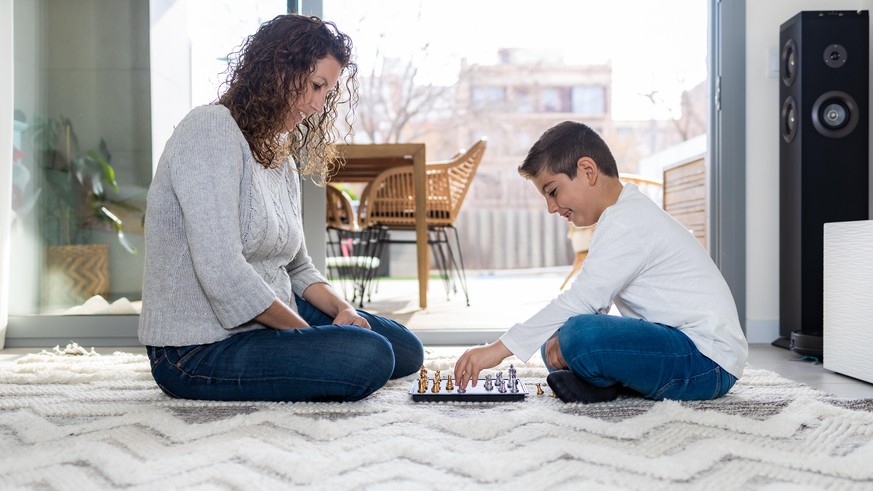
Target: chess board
point(471, 394)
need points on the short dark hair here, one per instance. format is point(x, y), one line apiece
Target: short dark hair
point(562, 145)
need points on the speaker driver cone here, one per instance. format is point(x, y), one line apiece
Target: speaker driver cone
point(789, 62)
point(835, 56)
point(835, 114)
point(789, 119)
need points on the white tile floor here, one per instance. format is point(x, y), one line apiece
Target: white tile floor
point(793, 366)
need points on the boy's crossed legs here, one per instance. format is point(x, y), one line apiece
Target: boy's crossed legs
point(604, 353)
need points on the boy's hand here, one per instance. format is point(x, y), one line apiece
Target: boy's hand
point(554, 358)
point(474, 360)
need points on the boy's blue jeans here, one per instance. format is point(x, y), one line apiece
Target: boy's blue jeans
point(320, 363)
point(657, 361)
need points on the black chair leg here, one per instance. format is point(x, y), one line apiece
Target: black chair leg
point(338, 272)
point(442, 257)
point(462, 275)
point(450, 264)
point(373, 240)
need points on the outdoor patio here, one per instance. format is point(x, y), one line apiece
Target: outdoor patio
point(498, 299)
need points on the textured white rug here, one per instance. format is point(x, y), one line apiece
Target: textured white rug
point(97, 422)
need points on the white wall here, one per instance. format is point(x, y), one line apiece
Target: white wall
point(763, 19)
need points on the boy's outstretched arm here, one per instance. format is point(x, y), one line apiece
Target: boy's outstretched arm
point(474, 360)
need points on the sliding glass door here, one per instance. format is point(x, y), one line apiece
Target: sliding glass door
point(82, 157)
point(98, 88)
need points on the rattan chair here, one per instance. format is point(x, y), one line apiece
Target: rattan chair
point(340, 211)
point(353, 254)
point(388, 203)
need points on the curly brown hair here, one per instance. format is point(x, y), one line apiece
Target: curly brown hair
point(271, 68)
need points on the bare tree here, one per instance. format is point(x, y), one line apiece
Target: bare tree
point(396, 104)
point(689, 122)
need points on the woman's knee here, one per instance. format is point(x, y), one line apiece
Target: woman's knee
point(407, 348)
point(408, 354)
point(373, 350)
point(355, 363)
point(367, 368)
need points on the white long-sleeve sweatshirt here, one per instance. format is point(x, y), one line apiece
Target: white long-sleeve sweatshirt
point(647, 264)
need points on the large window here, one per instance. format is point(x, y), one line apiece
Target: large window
point(555, 100)
point(589, 100)
point(83, 153)
point(98, 89)
point(488, 97)
point(532, 65)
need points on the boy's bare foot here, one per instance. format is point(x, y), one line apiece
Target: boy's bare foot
point(570, 388)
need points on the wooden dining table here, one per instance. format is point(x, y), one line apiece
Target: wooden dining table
point(363, 162)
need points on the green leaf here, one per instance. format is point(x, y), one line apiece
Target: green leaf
point(76, 184)
point(61, 187)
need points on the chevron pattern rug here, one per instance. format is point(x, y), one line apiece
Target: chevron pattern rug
point(73, 419)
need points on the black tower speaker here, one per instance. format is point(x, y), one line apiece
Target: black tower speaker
point(823, 157)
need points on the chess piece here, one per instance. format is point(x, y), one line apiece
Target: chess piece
point(502, 387)
point(513, 381)
point(488, 384)
point(499, 378)
point(449, 384)
point(422, 385)
point(437, 381)
point(423, 372)
point(540, 390)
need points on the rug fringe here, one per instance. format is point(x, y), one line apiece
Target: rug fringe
point(71, 349)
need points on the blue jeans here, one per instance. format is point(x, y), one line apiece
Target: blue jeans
point(657, 361)
point(323, 362)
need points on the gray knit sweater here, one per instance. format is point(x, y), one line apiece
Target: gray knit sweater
point(223, 236)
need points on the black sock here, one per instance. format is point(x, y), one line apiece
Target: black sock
point(570, 388)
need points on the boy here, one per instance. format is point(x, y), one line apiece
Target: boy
point(679, 335)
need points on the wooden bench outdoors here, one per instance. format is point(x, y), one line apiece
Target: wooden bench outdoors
point(685, 195)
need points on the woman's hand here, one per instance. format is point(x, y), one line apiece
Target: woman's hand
point(327, 300)
point(350, 316)
point(474, 360)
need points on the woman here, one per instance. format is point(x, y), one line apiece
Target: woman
point(233, 308)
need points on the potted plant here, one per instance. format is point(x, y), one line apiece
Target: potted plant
point(80, 194)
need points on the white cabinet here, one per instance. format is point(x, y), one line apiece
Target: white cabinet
point(848, 298)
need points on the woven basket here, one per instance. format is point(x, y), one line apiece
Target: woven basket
point(74, 273)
